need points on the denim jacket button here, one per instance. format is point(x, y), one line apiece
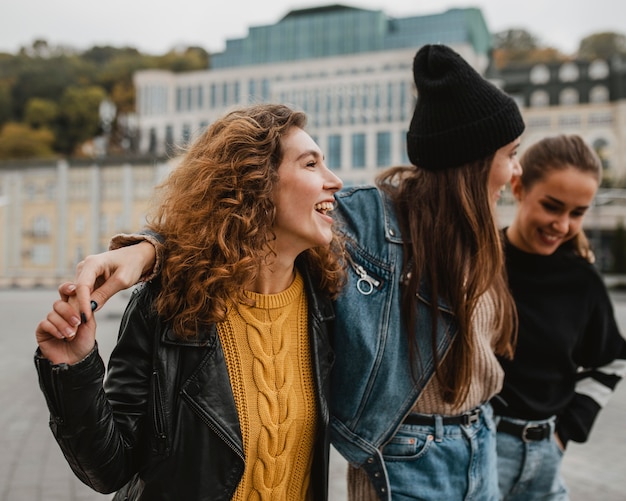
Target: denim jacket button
point(370, 460)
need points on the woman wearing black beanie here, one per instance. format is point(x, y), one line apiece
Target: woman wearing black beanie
point(425, 308)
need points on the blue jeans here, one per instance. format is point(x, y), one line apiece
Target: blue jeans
point(530, 470)
point(444, 462)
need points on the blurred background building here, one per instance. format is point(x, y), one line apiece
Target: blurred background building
point(350, 70)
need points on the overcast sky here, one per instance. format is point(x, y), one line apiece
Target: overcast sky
point(155, 26)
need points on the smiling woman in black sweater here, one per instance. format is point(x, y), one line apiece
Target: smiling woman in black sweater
point(570, 353)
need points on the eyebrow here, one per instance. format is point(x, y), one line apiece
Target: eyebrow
point(306, 153)
point(559, 202)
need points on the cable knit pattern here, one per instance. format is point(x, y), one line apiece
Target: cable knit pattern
point(269, 365)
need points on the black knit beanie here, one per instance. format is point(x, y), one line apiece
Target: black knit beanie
point(459, 116)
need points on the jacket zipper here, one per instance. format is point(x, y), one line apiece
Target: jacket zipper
point(159, 421)
point(223, 437)
point(366, 283)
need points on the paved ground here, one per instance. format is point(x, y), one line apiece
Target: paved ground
point(33, 469)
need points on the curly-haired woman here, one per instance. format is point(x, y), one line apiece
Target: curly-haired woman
point(218, 385)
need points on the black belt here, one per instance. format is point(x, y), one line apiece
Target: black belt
point(527, 432)
point(424, 420)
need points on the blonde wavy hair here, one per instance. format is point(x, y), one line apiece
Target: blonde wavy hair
point(216, 214)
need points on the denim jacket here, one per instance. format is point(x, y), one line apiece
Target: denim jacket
point(372, 388)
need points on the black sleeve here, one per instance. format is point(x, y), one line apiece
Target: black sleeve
point(601, 358)
point(99, 430)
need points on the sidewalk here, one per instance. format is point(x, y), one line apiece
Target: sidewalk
point(32, 467)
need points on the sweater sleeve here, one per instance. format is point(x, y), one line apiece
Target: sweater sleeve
point(145, 235)
point(601, 361)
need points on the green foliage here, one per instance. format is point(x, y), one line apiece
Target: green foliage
point(21, 141)
point(41, 113)
point(80, 119)
point(59, 89)
point(5, 102)
point(515, 39)
point(602, 45)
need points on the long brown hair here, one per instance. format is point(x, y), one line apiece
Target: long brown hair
point(216, 215)
point(452, 245)
point(559, 153)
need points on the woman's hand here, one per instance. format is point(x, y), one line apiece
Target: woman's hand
point(100, 276)
point(61, 336)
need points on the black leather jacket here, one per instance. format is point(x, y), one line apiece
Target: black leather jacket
point(164, 426)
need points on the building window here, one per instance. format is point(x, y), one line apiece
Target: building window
point(598, 69)
point(540, 74)
point(601, 148)
point(569, 120)
point(405, 156)
point(152, 140)
point(383, 149)
point(358, 150)
point(599, 94)
point(189, 91)
point(265, 89)
point(41, 254)
point(404, 94)
point(329, 108)
point(568, 96)
point(539, 122)
point(41, 226)
point(79, 224)
point(213, 95)
point(252, 91)
point(539, 99)
point(51, 190)
point(334, 151)
point(186, 133)
point(169, 139)
point(601, 118)
point(179, 99)
point(568, 72)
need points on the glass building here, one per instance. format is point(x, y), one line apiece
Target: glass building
point(349, 69)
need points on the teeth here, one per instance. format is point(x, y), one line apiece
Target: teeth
point(552, 238)
point(324, 206)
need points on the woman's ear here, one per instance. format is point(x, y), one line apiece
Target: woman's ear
point(516, 187)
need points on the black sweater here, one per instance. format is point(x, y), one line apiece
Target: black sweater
point(570, 353)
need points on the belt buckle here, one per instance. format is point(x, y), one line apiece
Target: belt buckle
point(471, 417)
point(525, 431)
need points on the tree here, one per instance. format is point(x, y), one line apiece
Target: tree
point(21, 141)
point(602, 45)
point(185, 59)
point(515, 39)
point(41, 113)
point(80, 119)
point(5, 102)
point(519, 46)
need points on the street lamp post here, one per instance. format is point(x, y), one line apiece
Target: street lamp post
point(107, 112)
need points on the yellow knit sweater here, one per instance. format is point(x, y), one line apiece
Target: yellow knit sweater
point(266, 347)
